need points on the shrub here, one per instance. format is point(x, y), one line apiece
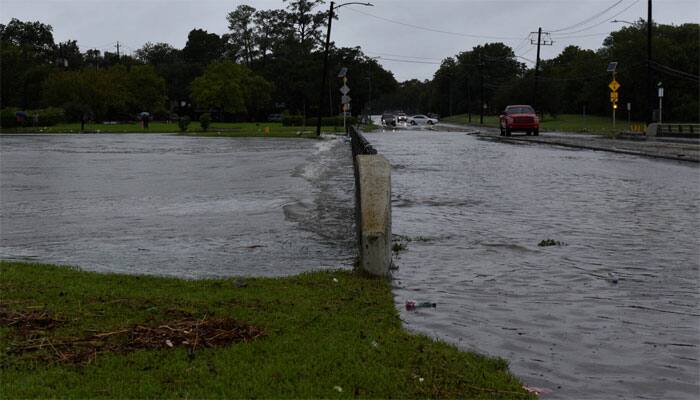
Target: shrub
point(8, 118)
point(47, 116)
point(183, 123)
point(205, 121)
point(74, 111)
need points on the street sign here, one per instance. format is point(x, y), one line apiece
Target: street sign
point(614, 85)
point(343, 72)
point(613, 96)
point(612, 66)
point(345, 89)
point(661, 92)
point(345, 99)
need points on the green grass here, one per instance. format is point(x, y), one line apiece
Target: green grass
point(220, 129)
point(562, 123)
point(322, 330)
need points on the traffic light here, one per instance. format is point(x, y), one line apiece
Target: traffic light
point(614, 106)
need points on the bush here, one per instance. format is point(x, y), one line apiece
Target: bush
point(205, 121)
point(183, 123)
point(47, 116)
point(74, 112)
point(8, 118)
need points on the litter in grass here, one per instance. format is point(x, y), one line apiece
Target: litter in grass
point(338, 388)
point(188, 332)
point(28, 321)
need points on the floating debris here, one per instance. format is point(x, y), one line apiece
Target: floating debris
point(549, 242)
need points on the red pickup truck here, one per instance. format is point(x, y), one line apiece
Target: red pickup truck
point(521, 118)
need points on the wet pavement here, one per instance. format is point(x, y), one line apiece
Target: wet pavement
point(611, 312)
point(667, 148)
point(169, 205)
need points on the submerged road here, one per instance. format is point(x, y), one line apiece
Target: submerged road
point(177, 206)
point(610, 312)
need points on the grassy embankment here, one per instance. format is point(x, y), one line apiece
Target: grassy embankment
point(217, 129)
point(331, 334)
point(561, 123)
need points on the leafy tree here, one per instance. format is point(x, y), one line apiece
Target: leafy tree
point(146, 89)
point(34, 39)
point(242, 33)
point(305, 22)
point(203, 47)
point(232, 88)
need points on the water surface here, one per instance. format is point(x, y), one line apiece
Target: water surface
point(612, 312)
point(169, 205)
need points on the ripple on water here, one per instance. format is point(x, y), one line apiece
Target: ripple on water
point(554, 312)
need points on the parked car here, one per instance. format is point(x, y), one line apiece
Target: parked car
point(388, 119)
point(401, 118)
point(421, 119)
point(274, 118)
point(519, 118)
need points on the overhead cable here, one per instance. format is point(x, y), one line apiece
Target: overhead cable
point(605, 20)
point(589, 19)
point(433, 29)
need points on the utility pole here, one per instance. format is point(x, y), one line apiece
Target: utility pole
point(469, 100)
point(325, 70)
point(117, 50)
point(650, 78)
point(481, 90)
point(540, 42)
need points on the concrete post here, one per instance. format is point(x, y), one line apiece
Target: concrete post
point(375, 213)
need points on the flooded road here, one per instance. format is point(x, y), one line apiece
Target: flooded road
point(611, 312)
point(168, 205)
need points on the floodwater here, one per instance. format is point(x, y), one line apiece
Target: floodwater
point(611, 312)
point(169, 205)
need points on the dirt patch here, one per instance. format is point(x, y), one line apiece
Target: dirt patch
point(189, 333)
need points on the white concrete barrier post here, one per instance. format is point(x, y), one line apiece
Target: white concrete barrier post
point(375, 207)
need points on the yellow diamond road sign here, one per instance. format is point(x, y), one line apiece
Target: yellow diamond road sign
point(614, 85)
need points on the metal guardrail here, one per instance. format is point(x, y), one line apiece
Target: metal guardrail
point(691, 131)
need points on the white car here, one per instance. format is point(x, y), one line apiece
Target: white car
point(421, 119)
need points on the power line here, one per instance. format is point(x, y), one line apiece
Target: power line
point(409, 61)
point(606, 20)
point(403, 56)
point(581, 36)
point(589, 19)
point(433, 29)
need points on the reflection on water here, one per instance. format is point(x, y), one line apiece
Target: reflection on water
point(612, 312)
point(166, 205)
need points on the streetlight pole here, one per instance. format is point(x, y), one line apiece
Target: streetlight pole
point(650, 90)
point(325, 60)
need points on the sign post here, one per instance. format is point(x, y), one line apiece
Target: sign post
point(661, 98)
point(345, 99)
point(614, 85)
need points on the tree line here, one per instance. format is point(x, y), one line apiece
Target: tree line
point(574, 82)
point(270, 61)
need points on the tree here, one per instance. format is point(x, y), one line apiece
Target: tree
point(34, 39)
point(242, 33)
point(146, 89)
point(306, 23)
point(157, 54)
point(203, 47)
point(231, 88)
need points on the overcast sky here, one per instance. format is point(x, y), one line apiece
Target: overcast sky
point(390, 30)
